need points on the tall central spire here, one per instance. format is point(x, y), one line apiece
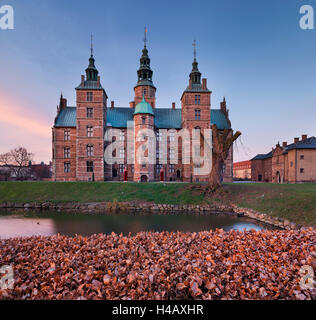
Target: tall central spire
point(144, 72)
point(91, 45)
point(145, 37)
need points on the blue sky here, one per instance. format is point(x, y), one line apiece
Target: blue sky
point(253, 52)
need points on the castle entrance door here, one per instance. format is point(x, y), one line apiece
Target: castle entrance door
point(143, 178)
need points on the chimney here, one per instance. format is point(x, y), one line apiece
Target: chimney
point(296, 140)
point(132, 104)
point(173, 105)
point(112, 104)
point(204, 84)
point(99, 81)
point(304, 137)
point(190, 84)
point(82, 80)
point(284, 144)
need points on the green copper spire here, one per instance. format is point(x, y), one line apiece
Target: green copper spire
point(143, 107)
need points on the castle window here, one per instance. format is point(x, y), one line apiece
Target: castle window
point(122, 153)
point(144, 91)
point(89, 150)
point(159, 136)
point(197, 114)
point(171, 135)
point(172, 153)
point(66, 153)
point(67, 134)
point(158, 168)
point(197, 99)
point(171, 168)
point(89, 112)
point(302, 157)
point(121, 168)
point(89, 96)
point(89, 166)
point(89, 131)
point(143, 166)
point(132, 168)
point(122, 136)
point(143, 120)
point(66, 167)
point(302, 170)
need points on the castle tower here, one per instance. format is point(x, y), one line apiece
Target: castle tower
point(145, 85)
point(196, 108)
point(145, 142)
point(91, 119)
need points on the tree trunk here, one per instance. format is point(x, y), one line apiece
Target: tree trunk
point(222, 141)
point(215, 178)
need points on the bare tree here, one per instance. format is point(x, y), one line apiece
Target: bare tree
point(18, 161)
point(222, 141)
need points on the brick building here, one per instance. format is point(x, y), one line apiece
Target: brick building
point(242, 170)
point(291, 163)
point(80, 135)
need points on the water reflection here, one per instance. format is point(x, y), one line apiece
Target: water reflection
point(86, 225)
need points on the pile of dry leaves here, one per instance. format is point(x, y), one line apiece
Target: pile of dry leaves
point(206, 265)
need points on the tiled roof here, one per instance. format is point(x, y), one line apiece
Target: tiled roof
point(66, 117)
point(168, 118)
point(219, 118)
point(309, 143)
point(118, 117)
point(263, 156)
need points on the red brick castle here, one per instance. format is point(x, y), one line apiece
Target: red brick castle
point(79, 132)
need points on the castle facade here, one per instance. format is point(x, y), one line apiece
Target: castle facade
point(83, 136)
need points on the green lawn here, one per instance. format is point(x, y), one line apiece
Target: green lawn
point(175, 193)
point(294, 202)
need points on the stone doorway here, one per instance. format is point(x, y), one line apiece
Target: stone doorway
point(143, 178)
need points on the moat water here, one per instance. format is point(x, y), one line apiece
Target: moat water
point(46, 224)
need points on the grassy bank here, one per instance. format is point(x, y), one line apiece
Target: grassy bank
point(294, 202)
point(94, 192)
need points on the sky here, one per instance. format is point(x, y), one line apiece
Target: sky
point(252, 52)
